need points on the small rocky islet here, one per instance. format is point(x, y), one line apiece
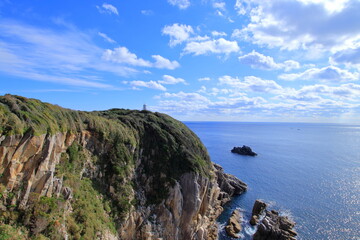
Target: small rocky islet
point(244, 150)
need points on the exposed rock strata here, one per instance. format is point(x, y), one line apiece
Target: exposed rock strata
point(189, 212)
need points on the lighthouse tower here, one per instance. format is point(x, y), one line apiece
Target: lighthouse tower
point(144, 107)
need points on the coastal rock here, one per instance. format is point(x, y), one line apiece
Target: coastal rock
point(254, 220)
point(258, 209)
point(275, 227)
point(244, 150)
point(229, 184)
point(233, 226)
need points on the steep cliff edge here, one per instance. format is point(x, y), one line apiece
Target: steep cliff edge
point(115, 174)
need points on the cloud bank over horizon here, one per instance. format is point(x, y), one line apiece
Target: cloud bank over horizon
point(246, 60)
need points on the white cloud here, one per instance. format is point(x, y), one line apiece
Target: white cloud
point(317, 92)
point(198, 38)
point(178, 33)
point(104, 36)
point(251, 83)
point(150, 84)
point(196, 44)
point(218, 46)
point(220, 91)
point(186, 96)
point(191, 103)
point(350, 57)
point(107, 8)
point(204, 79)
point(182, 4)
point(289, 65)
point(241, 6)
point(182, 102)
point(218, 34)
point(307, 24)
point(328, 74)
point(147, 12)
point(158, 85)
point(259, 61)
point(219, 13)
point(123, 55)
point(46, 55)
point(161, 62)
point(242, 102)
point(259, 85)
point(308, 103)
point(219, 5)
point(167, 79)
point(332, 6)
point(202, 89)
point(348, 90)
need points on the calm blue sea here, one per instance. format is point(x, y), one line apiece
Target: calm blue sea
point(310, 172)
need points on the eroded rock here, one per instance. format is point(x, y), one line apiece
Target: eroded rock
point(233, 226)
point(229, 184)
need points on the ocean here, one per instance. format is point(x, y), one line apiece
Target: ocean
point(309, 172)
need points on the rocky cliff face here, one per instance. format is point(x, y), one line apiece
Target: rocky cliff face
point(115, 174)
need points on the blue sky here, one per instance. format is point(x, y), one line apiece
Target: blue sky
point(212, 60)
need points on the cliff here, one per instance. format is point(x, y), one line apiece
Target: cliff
point(115, 174)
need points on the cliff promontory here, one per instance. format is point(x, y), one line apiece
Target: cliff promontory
point(116, 174)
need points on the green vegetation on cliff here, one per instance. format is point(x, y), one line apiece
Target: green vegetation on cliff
point(128, 150)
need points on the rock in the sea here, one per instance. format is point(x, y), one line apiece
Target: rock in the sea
point(258, 208)
point(275, 227)
point(234, 224)
point(229, 184)
point(244, 150)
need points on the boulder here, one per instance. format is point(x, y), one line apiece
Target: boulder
point(244, 150)
point(233, 226)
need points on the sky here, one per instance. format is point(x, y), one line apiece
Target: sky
point(196, 60)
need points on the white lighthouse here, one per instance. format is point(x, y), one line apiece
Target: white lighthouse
point(144, 107)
